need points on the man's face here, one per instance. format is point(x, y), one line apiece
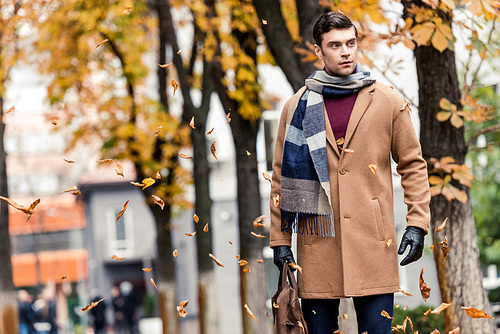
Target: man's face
point(339, 51)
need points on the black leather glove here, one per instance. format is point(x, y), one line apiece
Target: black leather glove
point(282, 254)
point(413, 237)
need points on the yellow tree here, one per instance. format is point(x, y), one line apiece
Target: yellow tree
point(425, 27)
point(93, 52)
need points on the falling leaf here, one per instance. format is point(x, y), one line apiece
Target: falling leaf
point(397, 306)
point(74, 190)
point(191, 123)
point(258, 235)
point(174, 84)
point(120, 214)
point(62, 106)
point(158, 176)
point(139, 21)
point(248, 153)
point(237, 257)
point(230, 243)
point(264, 22)
point(431, 247)
point(435, 331)
point(127, 10)
point(165, 65)
point(11, 109)
point(442, 226)
point(406, 293)
point(407, 320)
point(183, 156)
point(209, 132)
point(64, 277)
point(388, 243)
point(179, 52)
point(153, 282)
point(181, 312)
point(137, 184)
point(147, 269)
point(385, 314)
point(242, 262)
point(215, 260)
point(275, 305)
point(70, 161)
point(455, 331)
point(190, 234)
point(212, 149)
point(296, 266)
point(205, 228)
point(118, 169)
point(196, 218)
point(228, 118)
point(29, 211)
point(267, 177)
point(104, 41)
point(425, 291)
point(444, 247)
point(246, 270)
point(114, 257)
point(276, 200)
point(54, 122)
point(373, 168)
point(475, 313)
point(258, 221)
point(404, 308)
point(147, 182)
point(157, 200)
point(250, 312)
point(259, 260)
point(175, 252)
point(92, 305)
point(158, 130)
point(344, 316)
point(440, 308)
point(427, 312)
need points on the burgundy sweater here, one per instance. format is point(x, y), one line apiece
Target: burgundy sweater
point(339, 111)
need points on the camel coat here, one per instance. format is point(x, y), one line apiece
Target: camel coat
point(359, 260)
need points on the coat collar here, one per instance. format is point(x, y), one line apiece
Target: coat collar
point(360, 106)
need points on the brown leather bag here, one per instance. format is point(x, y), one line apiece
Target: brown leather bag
point(288, 317)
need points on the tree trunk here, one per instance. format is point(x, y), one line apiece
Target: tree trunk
point(8, 304)
point(460, 276)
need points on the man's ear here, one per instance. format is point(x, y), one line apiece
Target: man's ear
point(318, 51)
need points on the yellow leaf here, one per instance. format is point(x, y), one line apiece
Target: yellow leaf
point(434, 180)
point(215, 260)
point(440, 308)
point(250, 312)
point(439, 41)
point(388, 243)
point(175, 252)
point(205, 228)
point(190, 234)
point(421, 33)
point(475, 313)
point(147, 269)
point(115, 257)
point(153, 282)
point(373, 168)
point(147, 182)
point(165, 65)
point(196, 218)
point(127, 10)
point(175, 85)
point(456, 121)
point(443, 116)
point(385, 314)
point(120, 214)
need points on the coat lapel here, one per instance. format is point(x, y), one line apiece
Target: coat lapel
point(362, 102)
point(330, 137)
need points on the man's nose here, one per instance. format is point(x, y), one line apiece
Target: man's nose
point(345, 50)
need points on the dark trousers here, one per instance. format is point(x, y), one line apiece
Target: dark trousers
point(321, 314)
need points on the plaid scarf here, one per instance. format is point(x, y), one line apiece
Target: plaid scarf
point(305, 187)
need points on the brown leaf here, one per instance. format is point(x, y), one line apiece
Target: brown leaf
point(92, 305)
point(191, 123)
point(444, 247)
point(475, 313)
point(64, 277)
point(72, 189)
point(344, 316)
point(385, 314)
point(246, 270)
point(137, 184)
point(427, 312)
point(209, 132)
point(230, 242)
point(258, 221)
point(29, 211)
point(406, 293)
point(102, 42)
point(158, 130)
point(431, 247)
point(242, 262)
point(404, 308)
point(276, 200)
point(115, 257)
point(70, 161)
point(215, 260)
point(388, 243)
point(165, 65)
point(275, 305)
point(179, 52)
point(175, 85)
point(175, 252)
point(118, 169)
point(435, 331)
point(205, 228)
point(442, 226)
point(425, 291)
point(296, 266)
point(11, 109)
point(212, 149)
point(181, 312)
point(228, 118)
point(147, 269)
point(298, 321)
point(153, 282)
point(54, 121)
point(250, 312)
point(190, 234)
point(158, 201)
point(267, 177)
point(373, 168)
point(196, 218)
point(127, 10)
point(455, 331)
point(183, 156)
point(258, 235)
point(440, 308)
point(120, 214)
point(259, 260)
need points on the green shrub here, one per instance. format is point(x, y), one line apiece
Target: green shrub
point(422, 323)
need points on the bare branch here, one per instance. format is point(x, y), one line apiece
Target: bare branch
point(492, 128)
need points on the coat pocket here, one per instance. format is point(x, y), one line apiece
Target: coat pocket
point(378, 219)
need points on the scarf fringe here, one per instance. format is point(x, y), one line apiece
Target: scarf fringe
point(310, 223)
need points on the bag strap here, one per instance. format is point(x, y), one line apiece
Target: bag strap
point(284, 273)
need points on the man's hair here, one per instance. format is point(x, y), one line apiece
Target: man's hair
point(329, 21)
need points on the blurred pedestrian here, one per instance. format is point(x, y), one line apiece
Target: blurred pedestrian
point(46, 312)
point(26, 312)
point(98, 314)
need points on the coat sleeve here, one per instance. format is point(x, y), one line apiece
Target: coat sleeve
point(407, 154)
point(277, 237)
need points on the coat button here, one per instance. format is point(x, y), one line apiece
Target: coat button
point(342, 171)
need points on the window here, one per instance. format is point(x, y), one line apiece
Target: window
point(121, 237)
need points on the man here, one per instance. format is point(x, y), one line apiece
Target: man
point(332, 185)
